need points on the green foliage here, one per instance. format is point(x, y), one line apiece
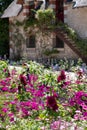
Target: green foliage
point(45, 17)
point(30, 23)
point(18, 23)
point(50, 52)
point(42, 118)
point(35, 68)
point(4, 4)
point(79, 42)
point(3, 66)
point(26, 124)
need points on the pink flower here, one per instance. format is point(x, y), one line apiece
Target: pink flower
point(13, 72)
point(56, 125)
point(13, 102)
point(76, 116)
point(84, 107)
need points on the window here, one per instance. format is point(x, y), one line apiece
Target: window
point(46, 3)
point(69, 0)
point(58, 43)
point(30, 42)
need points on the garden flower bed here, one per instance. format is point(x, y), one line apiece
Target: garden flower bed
point(35, 98)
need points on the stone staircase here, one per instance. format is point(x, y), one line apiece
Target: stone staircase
point(65, 38)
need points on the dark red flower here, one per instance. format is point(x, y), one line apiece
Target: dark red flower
point(80, 74)
point(62, 76)
point(51, 103)
point(19, 88)
point(23, 79)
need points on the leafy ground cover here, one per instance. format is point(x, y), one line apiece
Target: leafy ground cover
point(36, 98)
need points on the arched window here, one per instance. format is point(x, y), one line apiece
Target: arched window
point(58, 43)
point(30, 42)
point(69, 0)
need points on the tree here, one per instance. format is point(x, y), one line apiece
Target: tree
point(4, 28)
point(4, 4)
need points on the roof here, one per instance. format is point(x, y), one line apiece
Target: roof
point(80, 3)
point(12, 10)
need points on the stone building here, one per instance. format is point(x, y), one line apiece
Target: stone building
point(23, 45)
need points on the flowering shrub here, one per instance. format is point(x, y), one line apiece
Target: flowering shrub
point(49, 100)
point(3, 69)
point(79, 102)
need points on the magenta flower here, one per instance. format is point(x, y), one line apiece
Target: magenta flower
point(79, 101)
point(85, 114)
point(5, 89)
point(38, 93)
point(25, 112)
point(34, 105)
point(10, 114)
point(4, 110)
point(12, 119)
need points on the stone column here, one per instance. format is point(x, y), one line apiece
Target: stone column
point(52, 4)
point(65, 12)
point(27, 6)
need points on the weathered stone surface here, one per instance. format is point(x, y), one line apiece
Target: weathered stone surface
point(77, 19)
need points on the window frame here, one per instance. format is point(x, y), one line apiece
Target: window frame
point(29, 40)
point(55, 44)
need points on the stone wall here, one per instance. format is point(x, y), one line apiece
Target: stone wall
point(77, 19)
point(16, 39)
point(44, 42)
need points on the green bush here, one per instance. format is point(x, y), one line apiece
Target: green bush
point(3, 69)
